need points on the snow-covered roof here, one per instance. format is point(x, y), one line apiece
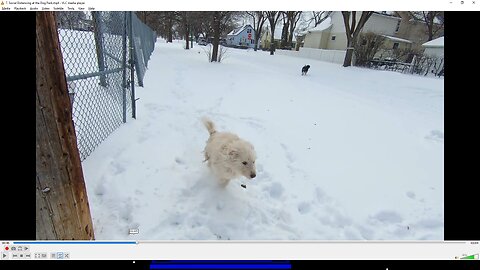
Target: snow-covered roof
point(327, 23)
point(438, 42)
point(397, 39)
point(237, 31)
point(387, 14)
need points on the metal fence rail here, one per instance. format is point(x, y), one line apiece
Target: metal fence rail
point(99, 58)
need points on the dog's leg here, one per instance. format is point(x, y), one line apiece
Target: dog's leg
point(224, 182)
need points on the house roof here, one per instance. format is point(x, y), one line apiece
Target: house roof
point(397, 39)
point(387, 14)
point(438, 42)
point(237, 31)
point(327, 23)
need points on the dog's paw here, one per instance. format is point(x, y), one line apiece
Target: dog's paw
point(243, 185)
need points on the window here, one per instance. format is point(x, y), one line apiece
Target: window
point(364, 42)
point(395, 45)
point(398, 26)
point(333, 37)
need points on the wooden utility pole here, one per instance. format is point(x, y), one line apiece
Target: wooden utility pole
point(62, 210)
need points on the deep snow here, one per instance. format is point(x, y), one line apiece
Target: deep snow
point(343, 153)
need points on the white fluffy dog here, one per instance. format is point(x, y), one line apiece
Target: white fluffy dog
point(228, 156)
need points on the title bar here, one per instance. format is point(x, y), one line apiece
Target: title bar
point(192, 5)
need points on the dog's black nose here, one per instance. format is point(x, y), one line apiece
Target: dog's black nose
point(252, 175)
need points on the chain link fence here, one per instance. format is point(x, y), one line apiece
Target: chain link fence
point(100, 58)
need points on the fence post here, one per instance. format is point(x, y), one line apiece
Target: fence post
point(98, 33)
point(124, 67)
point(62, 210)
point(133, 61)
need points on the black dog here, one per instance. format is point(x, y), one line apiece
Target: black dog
point(305, 69)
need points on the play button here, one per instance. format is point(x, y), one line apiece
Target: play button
point(4, 256)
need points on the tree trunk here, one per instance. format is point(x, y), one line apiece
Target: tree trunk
point(62, 210)
point(257, 38)
point(353, 32)
point(169, 28)
point(348, 57)
point(185, 22)
point(283, 43)
point(187, 37)
point(290, 38)
point(216, 35)
point(272, 42)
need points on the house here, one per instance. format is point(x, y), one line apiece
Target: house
point(393, 43)
point(266, 37)
point(331, 34)
point(317, 37)
point(242, 37)
point(414, 29)
point(434, 48)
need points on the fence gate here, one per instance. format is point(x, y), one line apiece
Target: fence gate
point(101, 52)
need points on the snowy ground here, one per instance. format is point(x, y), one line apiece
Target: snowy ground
point(343, 153)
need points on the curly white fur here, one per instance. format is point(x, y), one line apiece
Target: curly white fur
point(227, 155)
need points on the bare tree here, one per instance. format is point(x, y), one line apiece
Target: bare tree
point(320, 16)
point(201, 24)
point(369, 45)
point(70, 19)
point(352, 30)
point(290, 20)
point(272, 17)
point(184, 15)
point(259, 19)
point(163, 22)
point(294, 18)
point(434, 21)
point(223, 22)
point(216, 34)
point(286, 23)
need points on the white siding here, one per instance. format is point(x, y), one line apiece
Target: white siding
point(340, 42)
point(333, 56)
point(377, 23)
point(434, 51)
point(313, 40)
point(337, 23)
point(380, 24)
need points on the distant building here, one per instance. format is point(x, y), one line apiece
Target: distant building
point(434, 48)
point(243, 37)
point(266, 37)
point(331, 33)
point(415, 29)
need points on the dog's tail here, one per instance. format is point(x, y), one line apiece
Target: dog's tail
point(209, 125)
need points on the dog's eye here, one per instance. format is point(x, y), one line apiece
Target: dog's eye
point(245, 163)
